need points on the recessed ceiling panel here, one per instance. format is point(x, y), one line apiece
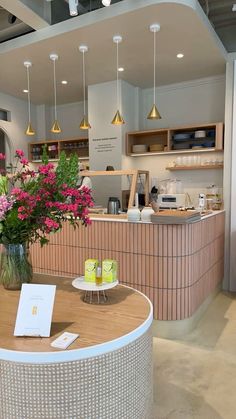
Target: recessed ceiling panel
point(182, 30)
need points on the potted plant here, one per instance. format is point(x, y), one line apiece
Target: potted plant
point(34, 205)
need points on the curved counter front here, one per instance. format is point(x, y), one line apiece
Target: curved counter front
point(105, 374)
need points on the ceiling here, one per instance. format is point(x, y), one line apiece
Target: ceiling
point(223, 19)
point(11, 26)
point(49, 12)
point(184, 28)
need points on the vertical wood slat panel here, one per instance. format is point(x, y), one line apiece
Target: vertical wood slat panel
point(177, 266)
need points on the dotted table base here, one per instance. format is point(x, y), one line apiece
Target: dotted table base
point(117, 385)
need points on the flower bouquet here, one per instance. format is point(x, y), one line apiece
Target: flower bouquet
point(33, 205)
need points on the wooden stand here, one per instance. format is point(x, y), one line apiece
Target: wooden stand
point(131, 172)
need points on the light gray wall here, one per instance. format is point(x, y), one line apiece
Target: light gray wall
point(196, 102)
point(15, 129)
point(69, 117)
point(191, 102)
point(105, 140)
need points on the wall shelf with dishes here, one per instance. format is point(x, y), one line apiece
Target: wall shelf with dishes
point(185, 139)
point(79, 146)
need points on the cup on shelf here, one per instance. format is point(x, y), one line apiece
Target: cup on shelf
point(209, 203)
point(184, 161)
point(195, 160)
point(178, 161)
point(188, 160)
point(199, 161)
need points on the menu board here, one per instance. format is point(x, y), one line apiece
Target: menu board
point(34, 315)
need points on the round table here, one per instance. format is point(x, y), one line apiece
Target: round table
point(105, 374)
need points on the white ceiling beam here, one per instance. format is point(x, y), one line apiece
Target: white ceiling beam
point(24, 12)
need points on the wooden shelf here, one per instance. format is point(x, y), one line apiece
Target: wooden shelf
point(167, 138)
point(69, 146)
point(161, 153)
point(202, 167)
point(56, 160)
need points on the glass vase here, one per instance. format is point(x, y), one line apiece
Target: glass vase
point(16, 266)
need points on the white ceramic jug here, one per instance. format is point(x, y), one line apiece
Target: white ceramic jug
point(146, 214)
point(133, 214)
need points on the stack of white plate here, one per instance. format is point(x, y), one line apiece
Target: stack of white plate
point(139, 148)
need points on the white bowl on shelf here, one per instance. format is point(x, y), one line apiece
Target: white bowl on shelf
point(200, 134)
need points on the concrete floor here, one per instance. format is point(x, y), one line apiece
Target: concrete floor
point(195, 377)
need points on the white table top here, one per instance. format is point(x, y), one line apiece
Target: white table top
point(81, 284)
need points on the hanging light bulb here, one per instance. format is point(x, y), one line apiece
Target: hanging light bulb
point(73, 7)
point(84, 124)
point(117, 120)
point(154, 113)
point(106, 2)
point(29, 130)
point(55, 127)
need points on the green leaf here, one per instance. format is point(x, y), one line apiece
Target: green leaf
point(45, 155)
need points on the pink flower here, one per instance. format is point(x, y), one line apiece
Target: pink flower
point(6, 204)
point(22, 216)
point(20, 153)
point(2, 156)
point(51, 224)
point(45, 168)
point(24, 161)
point(49, 178)
point(16, 191)
point(42, 202)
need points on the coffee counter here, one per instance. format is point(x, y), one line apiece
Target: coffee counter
point(178, 267)
point(106, 373)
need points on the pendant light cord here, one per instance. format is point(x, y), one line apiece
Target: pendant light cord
point(154, 67)
point(28, 93)
point(55, 89)
point(84, 81)
point(117, 74)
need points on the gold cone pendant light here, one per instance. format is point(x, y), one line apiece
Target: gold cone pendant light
point(55, 126)
point(117, 120)
point(154, 113)
point(84, 124)
point(29, 130)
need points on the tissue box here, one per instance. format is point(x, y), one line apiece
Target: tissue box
point(90, 270)
point(109, 270)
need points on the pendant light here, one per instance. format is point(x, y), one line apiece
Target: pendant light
point(55, 127)
point(29, 131)
point(154, 114)
point(117, 120)
point(84, 124)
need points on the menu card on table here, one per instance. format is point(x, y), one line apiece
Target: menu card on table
point(34, 314)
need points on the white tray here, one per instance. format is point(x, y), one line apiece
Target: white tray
point(81, 284)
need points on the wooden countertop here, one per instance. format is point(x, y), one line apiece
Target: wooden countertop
point(125, 311)
point(109, 216)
